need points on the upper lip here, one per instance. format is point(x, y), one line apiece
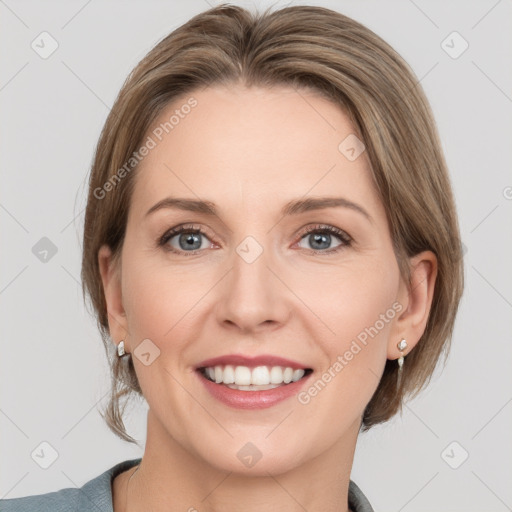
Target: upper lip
point(251, 362)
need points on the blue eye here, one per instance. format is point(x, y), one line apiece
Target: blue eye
point(320, 238)
point(188, 240)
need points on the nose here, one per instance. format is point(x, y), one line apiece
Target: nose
point(253, 296)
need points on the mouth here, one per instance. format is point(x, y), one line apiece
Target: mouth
point(252, 382)
point(258, 378)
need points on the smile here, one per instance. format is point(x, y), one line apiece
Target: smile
point(259, 378)
point(279, 384)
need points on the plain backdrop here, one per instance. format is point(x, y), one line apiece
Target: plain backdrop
point(450, 451)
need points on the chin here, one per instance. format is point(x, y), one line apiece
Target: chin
point(258, 457)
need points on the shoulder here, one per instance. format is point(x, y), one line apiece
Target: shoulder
point(357, 501)
point(59, 501)
point(96, 494)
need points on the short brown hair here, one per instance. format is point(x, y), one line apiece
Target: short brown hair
point(303, 47)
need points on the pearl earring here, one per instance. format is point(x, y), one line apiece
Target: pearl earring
point(401, 345)
point(120, 349)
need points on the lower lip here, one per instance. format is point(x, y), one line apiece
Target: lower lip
point(252, 399)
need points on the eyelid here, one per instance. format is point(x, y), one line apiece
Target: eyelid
point(329, 229)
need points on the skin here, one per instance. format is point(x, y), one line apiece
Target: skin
point(250, 151)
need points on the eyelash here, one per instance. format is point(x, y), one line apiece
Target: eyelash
point(319, 228)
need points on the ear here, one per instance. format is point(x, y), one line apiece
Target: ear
point(110, 271)
point(416, 300)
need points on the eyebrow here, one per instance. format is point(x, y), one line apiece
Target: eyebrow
point(294, 207)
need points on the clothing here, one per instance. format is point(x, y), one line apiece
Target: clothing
point(96, 495)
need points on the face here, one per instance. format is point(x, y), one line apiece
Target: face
point(315, 286)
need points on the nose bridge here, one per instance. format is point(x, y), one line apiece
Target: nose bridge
point(252, 294)
point(250, 275)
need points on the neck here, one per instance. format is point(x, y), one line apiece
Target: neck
point(170, 478)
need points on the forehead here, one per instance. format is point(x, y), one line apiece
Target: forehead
point(251, 146)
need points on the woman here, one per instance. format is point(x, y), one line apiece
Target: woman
point(272, 251)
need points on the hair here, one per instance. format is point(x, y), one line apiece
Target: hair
point(307, 48)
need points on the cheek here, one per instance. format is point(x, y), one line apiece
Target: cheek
point(351, 298)
point(358, 306)
point(160, 302)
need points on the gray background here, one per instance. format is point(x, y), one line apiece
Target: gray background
point(53, 368)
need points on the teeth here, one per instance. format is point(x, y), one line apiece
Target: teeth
point(297, 374)
point(276, 375)
point(260, 377)
point(252, 387)
point(242, 376)
point(229, 375)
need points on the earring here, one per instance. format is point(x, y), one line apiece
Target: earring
point(120, 349)
point(401, 345)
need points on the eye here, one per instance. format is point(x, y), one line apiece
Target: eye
point(321, 237)
point(189, 240)
point(185, 239)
